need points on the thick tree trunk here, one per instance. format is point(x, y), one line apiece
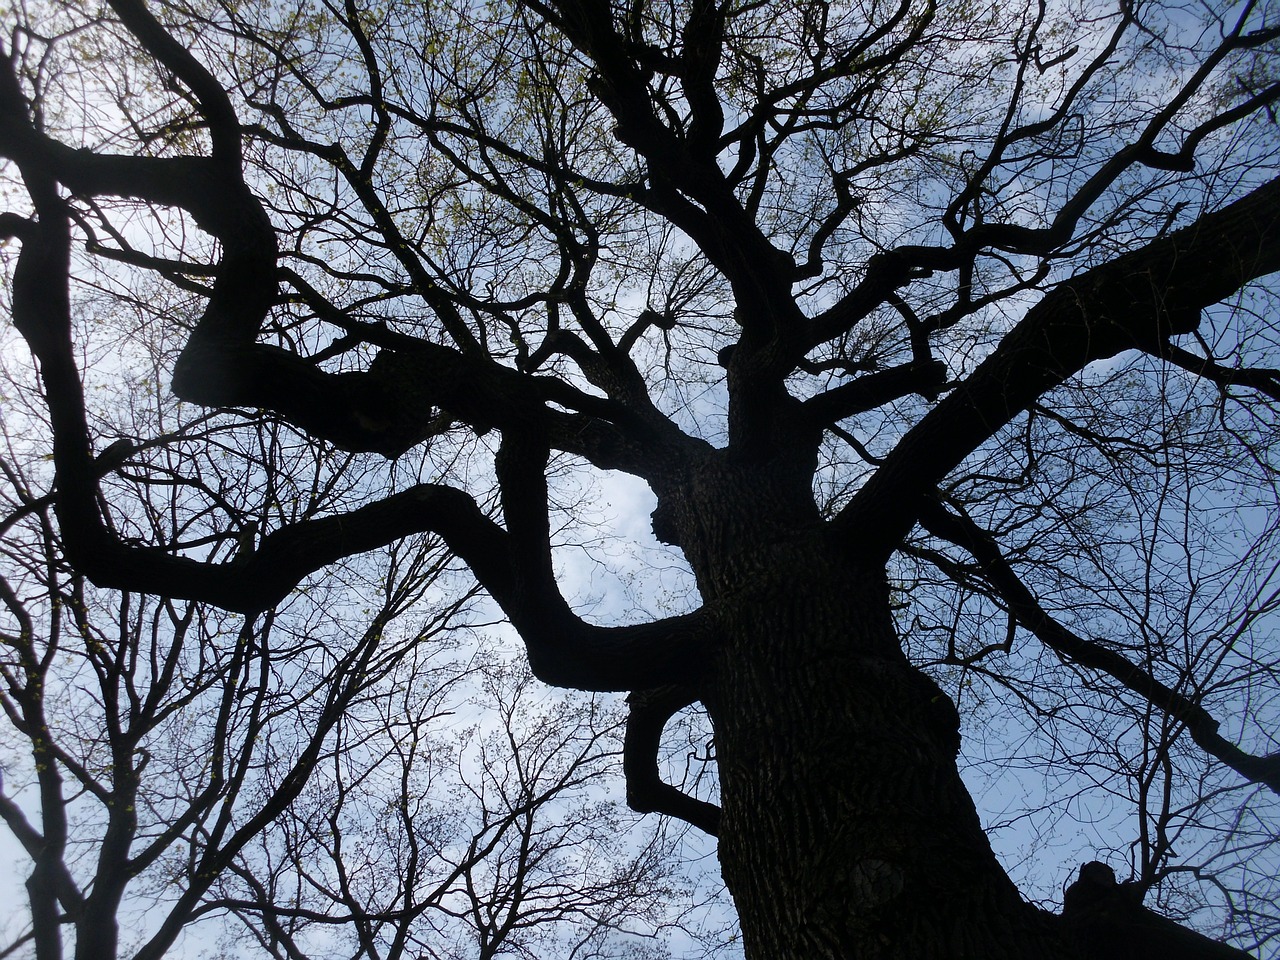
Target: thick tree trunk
point(846, 830)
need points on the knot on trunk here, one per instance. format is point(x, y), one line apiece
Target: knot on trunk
point(1108, 922)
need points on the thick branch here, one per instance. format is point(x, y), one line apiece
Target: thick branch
point(647, 792)
point(874, 389)
point(1203, 728)
point(216, 106)
point(385, 409)
point(686, 184)
point(514, 568)
point(1107, 921)
point(562, 649)
point(1136, 301)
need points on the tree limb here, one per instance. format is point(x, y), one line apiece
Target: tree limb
point(647, 792)
point(387, 408)
point(873, 389)
point(1264, 380)
point(1136, 301)
point(964, 533)
point(33, 843)
point(562, 649)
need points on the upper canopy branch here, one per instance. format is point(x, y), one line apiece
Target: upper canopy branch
point(873, 390)
point(686, 184)
point(1135, 301)
point(892, 270)
point(387, 408)
point(215, 105)
point(513, 567)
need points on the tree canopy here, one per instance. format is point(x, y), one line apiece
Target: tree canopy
point(940, 332)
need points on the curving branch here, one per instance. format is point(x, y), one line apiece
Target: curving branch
point(647, 792)
point(387, 408)
point(215, 105)
point(685, 182)
point(1026, 609)
point(888, 272)
point(703, 40)
point(562, 649)
point(515, 567)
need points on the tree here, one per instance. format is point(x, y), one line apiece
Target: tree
point(938, 332)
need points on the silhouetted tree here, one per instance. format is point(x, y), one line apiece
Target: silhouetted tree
point(934, 328)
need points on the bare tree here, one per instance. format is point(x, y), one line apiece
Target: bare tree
point(497, 843)
point(939, 332)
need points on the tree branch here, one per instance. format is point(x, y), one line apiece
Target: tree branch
point(387, 408)
point(563, 650)
point(1264, 380)
point(874, 389)
point(215, 105)
point(514, 568)
point(33, 843)
point(966, 534)
point(1136, 301)
point(647, 792)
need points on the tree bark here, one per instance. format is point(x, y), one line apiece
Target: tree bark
point(846, 830)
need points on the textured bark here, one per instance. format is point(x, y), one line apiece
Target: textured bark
point(846, 830)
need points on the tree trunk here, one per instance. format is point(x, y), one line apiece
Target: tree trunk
point(846, 830)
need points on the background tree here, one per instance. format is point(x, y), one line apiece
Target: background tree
point(934, 329)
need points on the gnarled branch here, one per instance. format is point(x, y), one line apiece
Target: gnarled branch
point(647, 792)
point(1136, 301)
